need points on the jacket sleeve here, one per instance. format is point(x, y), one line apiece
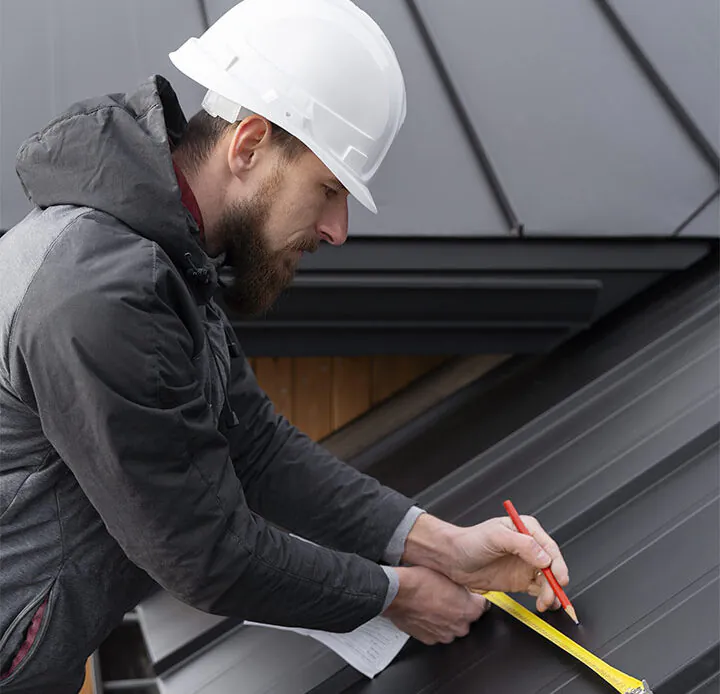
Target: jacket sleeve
point(107, 361)
point(297, 484)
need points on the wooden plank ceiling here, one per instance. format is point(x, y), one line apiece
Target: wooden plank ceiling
point(321, 394)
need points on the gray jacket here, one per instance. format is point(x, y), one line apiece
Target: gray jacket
point(136, 448)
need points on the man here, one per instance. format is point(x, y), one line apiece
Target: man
point(136, 446)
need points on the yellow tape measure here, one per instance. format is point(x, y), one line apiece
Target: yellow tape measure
point(619, 680)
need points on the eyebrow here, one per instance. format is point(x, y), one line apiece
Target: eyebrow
point(339, 185)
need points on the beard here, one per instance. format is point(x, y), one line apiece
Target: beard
point(260, 274)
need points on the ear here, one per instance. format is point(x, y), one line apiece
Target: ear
point(250, 138)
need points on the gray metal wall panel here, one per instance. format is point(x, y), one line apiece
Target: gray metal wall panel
point(430, 184)
point(707, 223)
point(54, 52)
point(681, 39)
point(576, 132)
point(217, 8)
point(255, 660)
point(570, 123)
point(168, 624)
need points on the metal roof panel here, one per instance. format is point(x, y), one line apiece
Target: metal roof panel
point(624, 472)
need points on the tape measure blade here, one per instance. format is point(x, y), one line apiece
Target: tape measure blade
point(617, 679)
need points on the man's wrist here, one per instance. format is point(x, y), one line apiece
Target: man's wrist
point(396, 546)
point(404, 587)
point(431, 543)
point(393, 586)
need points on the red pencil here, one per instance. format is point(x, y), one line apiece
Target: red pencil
point(557, 589)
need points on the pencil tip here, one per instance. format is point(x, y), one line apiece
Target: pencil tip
point(571, 612)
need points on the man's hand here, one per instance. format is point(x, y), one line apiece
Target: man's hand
point(490, 556)
point(432, 608)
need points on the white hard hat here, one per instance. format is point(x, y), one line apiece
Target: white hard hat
point(321, 69)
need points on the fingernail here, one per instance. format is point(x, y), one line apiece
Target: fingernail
point(543, 556)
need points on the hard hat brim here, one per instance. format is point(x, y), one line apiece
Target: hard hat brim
point(357, 189)
point(364, 197)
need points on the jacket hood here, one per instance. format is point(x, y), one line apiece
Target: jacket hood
point(113, 153)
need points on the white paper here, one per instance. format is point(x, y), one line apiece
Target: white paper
point(369, 649)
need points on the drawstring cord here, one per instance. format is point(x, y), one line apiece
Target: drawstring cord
point(201, 274)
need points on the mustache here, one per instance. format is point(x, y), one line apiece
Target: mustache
point(305, 245)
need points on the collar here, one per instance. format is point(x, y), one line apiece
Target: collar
point(188, 199)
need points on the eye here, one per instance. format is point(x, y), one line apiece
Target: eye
point(330, 192)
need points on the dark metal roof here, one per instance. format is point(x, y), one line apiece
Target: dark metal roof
point(578, 119)
point(613, 442)
point(623, 470)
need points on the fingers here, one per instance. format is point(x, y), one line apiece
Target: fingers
point(552, 556)
point(478, 607)
point(432, 608)
point(461, 630)
point(542, 604)
point(558, 565)
point(475, 608)
point(509, 541)
point(433, 636)
point(539, 588)
point(428, 637)
point(546, 598)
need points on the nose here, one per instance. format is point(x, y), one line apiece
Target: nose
point(333, 225)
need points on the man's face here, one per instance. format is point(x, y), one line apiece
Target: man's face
point(295, 206)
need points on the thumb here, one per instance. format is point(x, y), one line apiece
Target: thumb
point(480, 604)
point(523, 546)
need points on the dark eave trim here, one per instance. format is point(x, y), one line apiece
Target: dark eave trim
point(456, 296)
point(537, 255)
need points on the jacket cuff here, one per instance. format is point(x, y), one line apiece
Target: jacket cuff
point(395, 548)
point(393, 587)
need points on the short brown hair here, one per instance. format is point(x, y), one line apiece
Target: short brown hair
point(205, 131)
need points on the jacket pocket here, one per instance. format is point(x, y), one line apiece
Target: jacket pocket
point(14, 639)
